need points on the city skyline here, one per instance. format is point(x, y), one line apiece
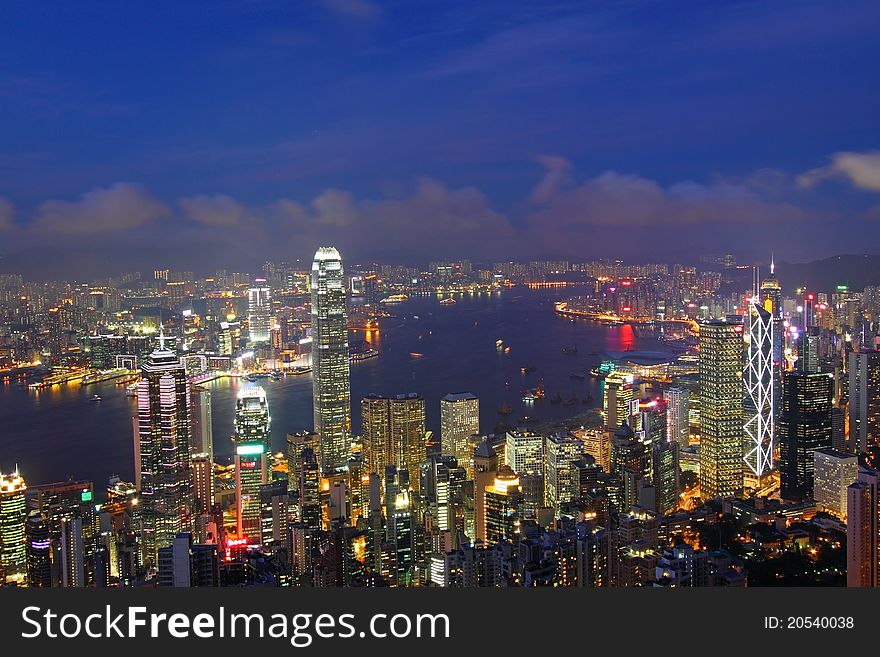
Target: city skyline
point(381, 294)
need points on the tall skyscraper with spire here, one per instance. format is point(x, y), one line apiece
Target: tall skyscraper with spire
point(164, 450)
point(760, 384)
point(330, 359)
point(771, 298)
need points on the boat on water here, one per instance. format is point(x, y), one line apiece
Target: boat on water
point(528, 369)
point(395, 298)
point(534, 394)
point(448, 301)
point(300, 369)
point(96, 398)
point(416, 354)
point(131, 390)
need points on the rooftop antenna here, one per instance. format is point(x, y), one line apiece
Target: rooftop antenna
point(161, 335)
point(772, 264)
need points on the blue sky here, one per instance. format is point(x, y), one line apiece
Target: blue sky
point(418, 129)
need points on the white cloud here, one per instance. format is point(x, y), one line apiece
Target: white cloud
point(216, 210)
point(122, 206)
point(862, 170)
point(626, 200)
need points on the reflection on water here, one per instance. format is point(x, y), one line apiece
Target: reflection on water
point(58, 432)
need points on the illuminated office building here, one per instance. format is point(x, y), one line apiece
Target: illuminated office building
point(485, 469)
point(13, 514)
point(617, 400)
point(524, 452)
point(252, 451)
point(771, 299)
point(296, 443)
point(259, 311)
point(721, 407)
point(665, 476)
point(864, 398)
point(66, 500)
point(202, 423)
point(203, 482)
point(274, 515)
point(804, 427)
point(459, 421)
point(560, 485)
point(330, 360)
point(73, 557)
point(502, 507)
point(393, 433)
point(39, 551)
point(759, 382)
point(833, 472)
point(677, 416)
point(164, 450)
point(863, 519)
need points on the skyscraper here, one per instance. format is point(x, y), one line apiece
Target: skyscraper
point(759, 405)
point(252, 446)
point(864, 398)
point(618, 395)
point(485, 469)
point(459, 421)
point(804, 427)
point(524, 452)
point(677, 418)
point(330, 359)
point(771, 299)
point(164, 433)
point(721, 406)
point(393, 433)
point(259, 311)
point(833, 472)
point(39, 549)
point(863, 515)
point(13, 550)
point(502, 506)
point(203, 435)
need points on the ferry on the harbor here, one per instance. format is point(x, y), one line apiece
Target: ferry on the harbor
point(105, 375)
point(395, 298)
point(448, 301)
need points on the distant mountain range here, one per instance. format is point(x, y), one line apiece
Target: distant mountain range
point(855, 271)
point(55, 263)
